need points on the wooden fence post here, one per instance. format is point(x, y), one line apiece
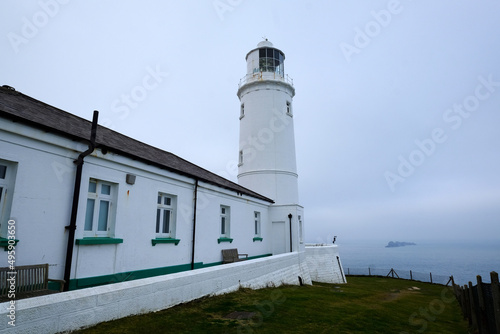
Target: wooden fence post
point(369, 272)
point(482, 320)
point(450, 280)
point(430, 276)
point(459, 293)
point(465, 296)
point(473, 308)
point(411, 276)
point(495, 291)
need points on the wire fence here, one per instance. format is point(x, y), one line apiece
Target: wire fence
point(402, 274)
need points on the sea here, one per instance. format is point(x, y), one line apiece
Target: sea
point(463, 260)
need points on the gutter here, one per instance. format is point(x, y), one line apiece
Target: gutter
point(194, 222)
point(76, 197)
point(290, 219)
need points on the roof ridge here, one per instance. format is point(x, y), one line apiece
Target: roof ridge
point(71, 125)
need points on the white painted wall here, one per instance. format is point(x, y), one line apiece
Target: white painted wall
point(75, 309)
point(280, 213)
point(267, 142)
point(323, 264)
point(43, 192)
point(43, 197)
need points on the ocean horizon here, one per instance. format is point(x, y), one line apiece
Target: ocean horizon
point(463, 260)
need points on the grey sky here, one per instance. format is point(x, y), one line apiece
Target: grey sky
point(380, 86)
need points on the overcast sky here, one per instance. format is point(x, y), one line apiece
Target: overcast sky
point(397, 105)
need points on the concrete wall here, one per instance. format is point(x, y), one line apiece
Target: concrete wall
point(324, 263)
point(75, 309)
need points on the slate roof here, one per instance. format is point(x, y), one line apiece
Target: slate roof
point(22, 108)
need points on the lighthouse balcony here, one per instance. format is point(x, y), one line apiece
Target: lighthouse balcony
point(265, 76)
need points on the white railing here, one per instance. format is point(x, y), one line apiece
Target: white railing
point(258, 76)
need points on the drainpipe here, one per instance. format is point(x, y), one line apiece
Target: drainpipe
point(290, 219)
point(194, 222)
point(76, 197)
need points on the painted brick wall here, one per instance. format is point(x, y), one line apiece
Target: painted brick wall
point(323, 264)
point(81, 308)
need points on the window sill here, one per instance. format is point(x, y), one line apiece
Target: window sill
point(224, 240)
point(4, 242)
point(257, 239)
point(98, 241)
point(165, 241)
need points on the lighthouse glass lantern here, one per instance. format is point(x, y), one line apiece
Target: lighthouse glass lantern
point(271, 60)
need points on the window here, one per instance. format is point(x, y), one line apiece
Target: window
point(257, 223)
point(224, 221)
point(288, 108)
point(240, 160)
point(165, 216)
point(242, 111)
point(7, 178)
point(99, 213)
point(301, 239)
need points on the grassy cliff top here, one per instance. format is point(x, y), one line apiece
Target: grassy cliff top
point(363, 305)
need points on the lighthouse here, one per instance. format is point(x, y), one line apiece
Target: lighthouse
point(267, 162)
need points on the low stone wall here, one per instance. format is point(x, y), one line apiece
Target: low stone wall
point(82, 308)
point(324, 263)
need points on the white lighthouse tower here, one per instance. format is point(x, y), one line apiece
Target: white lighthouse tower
point(267, 161)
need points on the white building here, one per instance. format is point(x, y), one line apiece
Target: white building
point(101, 207)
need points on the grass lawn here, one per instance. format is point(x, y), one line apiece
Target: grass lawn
point(363, 305)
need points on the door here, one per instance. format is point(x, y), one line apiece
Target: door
point(279, 238)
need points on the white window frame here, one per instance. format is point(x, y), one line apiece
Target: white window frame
point(98, 198)
point(166, 207)
point(257, 227)
point(7, 183)
point(225, 221)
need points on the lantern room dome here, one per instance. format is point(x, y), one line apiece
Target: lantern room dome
point(265, 43)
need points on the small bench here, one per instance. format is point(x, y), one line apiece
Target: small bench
point(30, 280)
point(231, 255)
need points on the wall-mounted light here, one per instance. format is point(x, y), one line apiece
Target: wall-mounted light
point(130, 179)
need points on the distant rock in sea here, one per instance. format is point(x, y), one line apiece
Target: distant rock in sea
point(399, 244)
